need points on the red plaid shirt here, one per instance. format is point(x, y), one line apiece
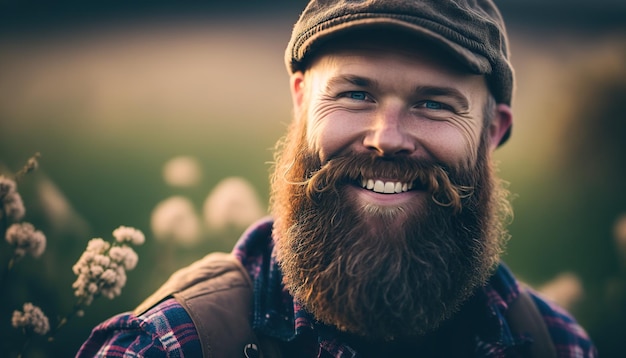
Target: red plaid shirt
point(167, 330)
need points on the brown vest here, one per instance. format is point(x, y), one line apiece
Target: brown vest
point(216, 292)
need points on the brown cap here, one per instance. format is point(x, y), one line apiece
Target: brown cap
point(472, 30)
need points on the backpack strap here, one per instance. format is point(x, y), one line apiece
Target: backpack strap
point(216, 292)
point(524, 317)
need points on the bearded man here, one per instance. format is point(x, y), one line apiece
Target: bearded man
point(387, 219)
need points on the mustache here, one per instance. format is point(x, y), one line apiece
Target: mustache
point(348, 169)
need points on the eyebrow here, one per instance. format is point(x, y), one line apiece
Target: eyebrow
point(355, 80)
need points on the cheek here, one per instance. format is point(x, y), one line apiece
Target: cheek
point(326, 139)
point(330, 131)
point(452, 142)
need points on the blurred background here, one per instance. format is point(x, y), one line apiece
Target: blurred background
point(163, 117)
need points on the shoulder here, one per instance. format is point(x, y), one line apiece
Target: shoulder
point(165, 330)
point(569, 337)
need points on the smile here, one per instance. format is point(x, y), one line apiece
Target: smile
point(386, 187)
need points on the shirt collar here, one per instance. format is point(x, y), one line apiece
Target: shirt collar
point(274, 311)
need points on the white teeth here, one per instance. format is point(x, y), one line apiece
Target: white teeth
point(379, 186)
point(389, 187)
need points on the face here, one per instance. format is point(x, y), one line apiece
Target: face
point(392, 103)
point(387, 212)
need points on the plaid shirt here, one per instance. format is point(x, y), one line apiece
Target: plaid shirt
point(166, 330)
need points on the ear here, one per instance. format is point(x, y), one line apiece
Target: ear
point(296, 84)
point(502, 120)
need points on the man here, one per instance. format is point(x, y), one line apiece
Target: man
point(387, 219)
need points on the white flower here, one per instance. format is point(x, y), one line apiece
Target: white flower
point(26, 239)
point(92, 288)
point(233, 202)
point(11, 204)
point(182, 171)
point(102, 260)
point(114, 281)
point(32, 319)
point(108, 277)
point(566, 289)
point(97, 245)
point(101, 269)
point(129, 234)
point(175, 219)
point(96, 271)
point(125, 256)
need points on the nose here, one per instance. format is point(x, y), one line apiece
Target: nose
point(388, 135)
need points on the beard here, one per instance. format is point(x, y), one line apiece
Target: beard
point(384, 272)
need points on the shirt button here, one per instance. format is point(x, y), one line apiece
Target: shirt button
point(251, 351)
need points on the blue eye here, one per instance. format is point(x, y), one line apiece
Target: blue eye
point(433, 105)
point(360, 96)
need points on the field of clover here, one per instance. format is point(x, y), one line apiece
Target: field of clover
point(100, 270)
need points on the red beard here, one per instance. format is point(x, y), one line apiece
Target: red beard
point(388, 274)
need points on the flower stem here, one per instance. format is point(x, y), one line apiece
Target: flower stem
point(5, 272)
point(26, 342)
point(63, 321)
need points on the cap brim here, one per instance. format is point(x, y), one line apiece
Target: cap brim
point(475, 63)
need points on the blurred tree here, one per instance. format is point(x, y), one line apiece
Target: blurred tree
point(594, 167)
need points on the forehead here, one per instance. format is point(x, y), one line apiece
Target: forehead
point(401, 64)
